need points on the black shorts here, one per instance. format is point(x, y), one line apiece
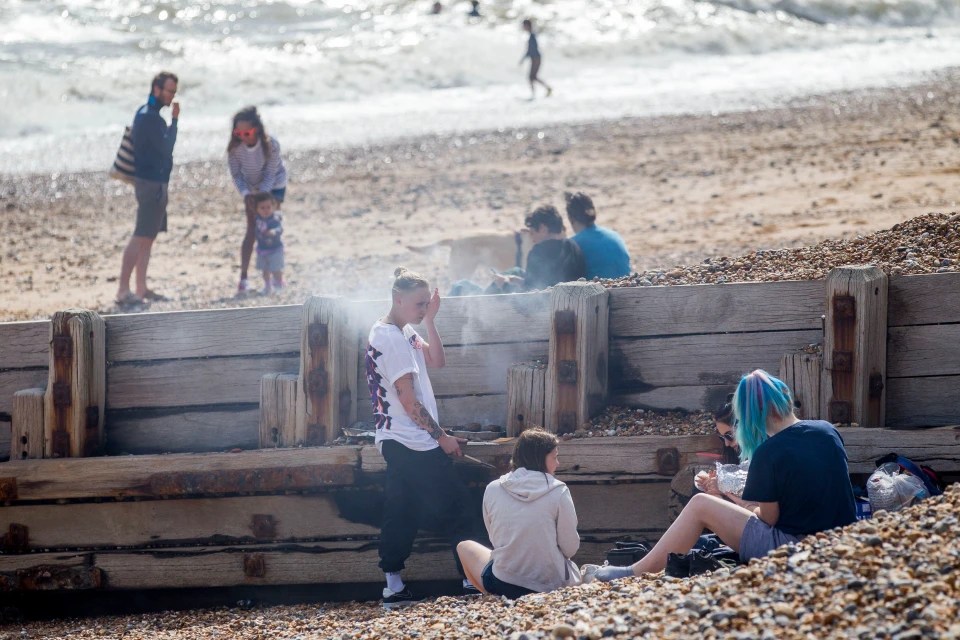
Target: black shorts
point(151, 208)
point(534, 68)
point(495, 586)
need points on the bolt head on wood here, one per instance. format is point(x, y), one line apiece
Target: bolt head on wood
point(567, 371)
point(668, 461)
point(565, 322)
point(318, 336)
point(844, 306)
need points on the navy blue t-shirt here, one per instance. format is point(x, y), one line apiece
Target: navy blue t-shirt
point(803, 469)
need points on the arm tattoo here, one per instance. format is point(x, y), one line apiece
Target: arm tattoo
point(426, 422)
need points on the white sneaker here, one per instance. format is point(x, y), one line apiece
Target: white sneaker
point(243, 287)
point(399, 599)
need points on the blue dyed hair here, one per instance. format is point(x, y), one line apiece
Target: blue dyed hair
point(758, 397)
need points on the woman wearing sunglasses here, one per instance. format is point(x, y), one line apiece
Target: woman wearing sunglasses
point(256, 167)
point(798, 478)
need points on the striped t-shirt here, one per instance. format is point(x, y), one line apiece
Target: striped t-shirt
point(251, 171)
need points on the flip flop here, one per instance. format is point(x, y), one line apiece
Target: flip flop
point(153, 296)
point(129, 300)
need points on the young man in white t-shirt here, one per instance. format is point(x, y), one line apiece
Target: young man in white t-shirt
point(421, 485)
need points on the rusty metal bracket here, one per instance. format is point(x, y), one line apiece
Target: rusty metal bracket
point(668, 461)
point(567, 371)
point(318, 335)
point(264, 526)
point(568, 422)
point(61, 394)
point(255, 480)
point(840, 412)
point(8, 488)
point(61, 444)
point(565, 322)
point(842, 361)
point(62, 346)
point(318, 382)
point(254, 565)
point(16, 540)
point(58, 577)
point(844, 307)
point(875, 388)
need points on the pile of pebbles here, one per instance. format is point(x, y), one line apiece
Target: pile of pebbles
point(896, 576)
point(624, 421)
point(926, 244)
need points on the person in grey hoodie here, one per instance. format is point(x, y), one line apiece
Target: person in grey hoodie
point(532, 525)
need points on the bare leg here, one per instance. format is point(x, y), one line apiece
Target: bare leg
point(703, 511)
point(143, 261)
point(545, 86)
point(474, 557)
point(246, 247)
point(278, 278)
point(132, 258)
point(267, 287)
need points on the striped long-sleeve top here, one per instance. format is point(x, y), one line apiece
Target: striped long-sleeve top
point(252, 172)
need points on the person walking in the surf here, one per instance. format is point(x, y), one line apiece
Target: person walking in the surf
point(533, 52)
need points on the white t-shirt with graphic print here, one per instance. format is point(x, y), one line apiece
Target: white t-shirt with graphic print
point(391, 354)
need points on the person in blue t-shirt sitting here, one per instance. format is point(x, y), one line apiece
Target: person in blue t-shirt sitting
point(603, 249)
point(798, 476)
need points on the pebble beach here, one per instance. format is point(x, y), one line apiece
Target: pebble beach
point(680, 189)
point(896, 576)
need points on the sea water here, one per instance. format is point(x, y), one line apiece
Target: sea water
point(342, 72)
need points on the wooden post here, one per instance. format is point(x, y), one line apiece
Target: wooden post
point(526, 382)
point(576, 380)
point(802, 373)
point(278, 410)
point(855, 347)
point(26, 432)
point(76, 387)
point(326, 397)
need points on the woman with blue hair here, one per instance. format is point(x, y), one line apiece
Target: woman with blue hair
point(798, 478)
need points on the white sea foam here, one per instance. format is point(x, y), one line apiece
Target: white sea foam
point(72, 72)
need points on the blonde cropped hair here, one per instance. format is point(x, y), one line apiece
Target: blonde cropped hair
point(406, 280)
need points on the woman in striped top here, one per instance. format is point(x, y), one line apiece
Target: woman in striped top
point(256, 167)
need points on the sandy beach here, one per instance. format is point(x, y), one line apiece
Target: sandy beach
point(679, 189)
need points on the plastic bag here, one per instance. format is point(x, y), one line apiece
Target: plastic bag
point(732, 478)
point(891, 490)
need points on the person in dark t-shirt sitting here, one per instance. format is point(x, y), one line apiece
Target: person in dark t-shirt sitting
point(554, 258)
point(798, 478)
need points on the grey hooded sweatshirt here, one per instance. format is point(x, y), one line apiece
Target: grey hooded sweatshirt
point(532, 524)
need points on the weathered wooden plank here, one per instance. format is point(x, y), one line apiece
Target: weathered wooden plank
point(923, 350)
point(716, 308)
point(74, 396)
point(327, 393)
point(576, 376)
point(924, 299)
point(923, 402)
point(685, 398)
point(5, 441)
point(611, 507)
point(182, 475)
point(278, 410)
point(234, 520)
point(183, 430)
point(311, 563)
point(482, 369)
point(25, 344)
point(589, 459)
point(472, 320)
point(645, 363)
point(802, 372)
point(26, 427)
point(184, 383)
point(14, 380)
point(855, 347)
point(201, 334)
point(937, 448)
point(526, 388)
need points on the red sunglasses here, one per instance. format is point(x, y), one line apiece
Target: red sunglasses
point(244, 133)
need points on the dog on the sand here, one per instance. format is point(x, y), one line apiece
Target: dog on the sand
point(500, 250)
